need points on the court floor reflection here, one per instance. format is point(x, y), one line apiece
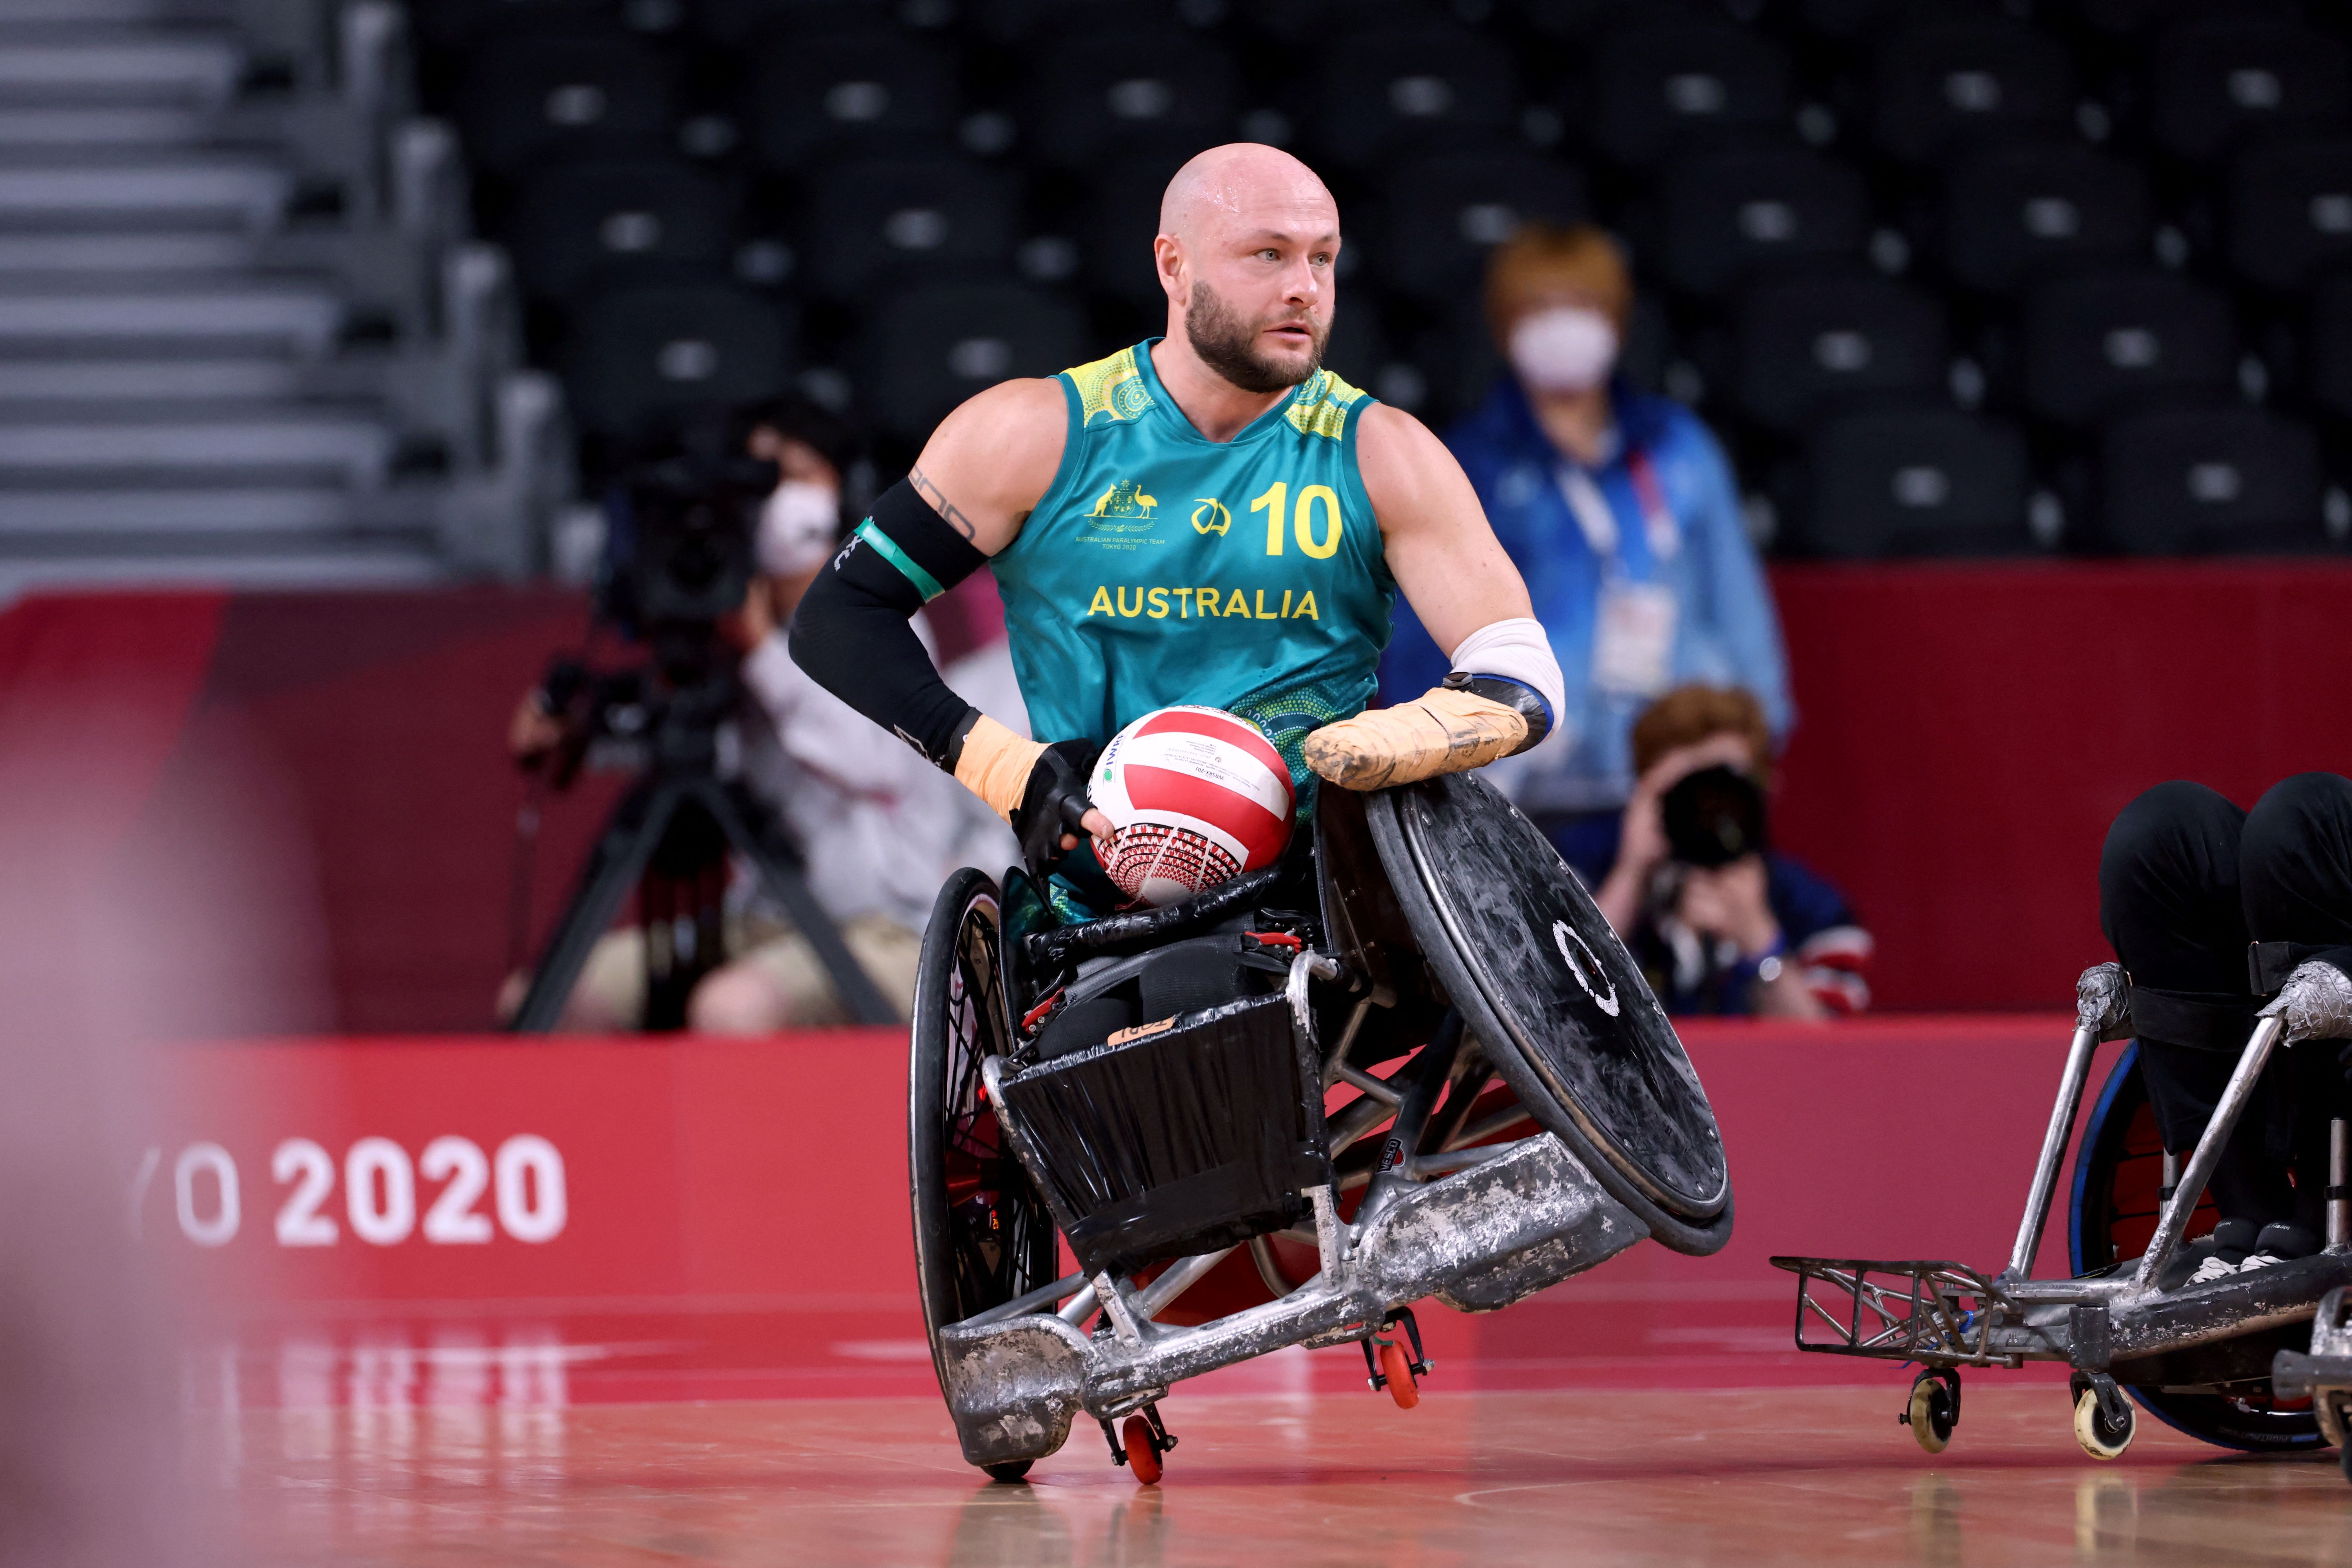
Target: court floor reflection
point(1766, 1476)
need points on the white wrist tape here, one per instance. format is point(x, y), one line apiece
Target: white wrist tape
point(1515, 649)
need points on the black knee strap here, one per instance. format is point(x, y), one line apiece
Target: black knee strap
point(2201, 1023)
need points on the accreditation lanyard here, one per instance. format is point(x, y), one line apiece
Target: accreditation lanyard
point(1634, 626)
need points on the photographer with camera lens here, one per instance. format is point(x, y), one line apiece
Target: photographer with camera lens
point(876, 831)
point(1721, 922)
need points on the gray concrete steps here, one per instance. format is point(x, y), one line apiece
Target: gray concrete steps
point(99, 312)
point(73, 64)
point(355, 449)
point(238, 564)
point(133, 126)
point(225, 190)
point(27, 515)
point(117, 383)
point(76, 254)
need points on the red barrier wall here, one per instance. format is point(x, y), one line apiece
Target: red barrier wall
point(1966, 733)
point(738, 1210)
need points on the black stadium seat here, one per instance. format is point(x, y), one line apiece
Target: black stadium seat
point(1727, 215)
point(584, 223)
point(2177, 481)
point(850, 92)
point(2213, 83)
point(1812, 344)
point(732, 23)
point(1942, 84)
point(2102, 342)
point(639, 353)
point(1913, 482)
point(1106, 95)
point(530, 98)
point(1392, 91)
point(1121, 216)
point(2328, 371)
point(2291, 210)
point(1443, 213)
point(1660, 86)
point(2012, 212)
point(929, 351)
point(907, 220)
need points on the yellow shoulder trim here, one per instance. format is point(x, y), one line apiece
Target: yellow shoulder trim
point(1321, 406)
point(1109, 389)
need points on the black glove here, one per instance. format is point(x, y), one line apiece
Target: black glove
point(1053, 803)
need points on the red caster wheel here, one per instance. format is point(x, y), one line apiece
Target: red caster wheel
point(1397, 1367)
point(1142, 1450)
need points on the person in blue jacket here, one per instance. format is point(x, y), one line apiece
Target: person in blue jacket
point(1621, 513)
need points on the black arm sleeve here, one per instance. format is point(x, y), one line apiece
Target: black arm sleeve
point(850, 633)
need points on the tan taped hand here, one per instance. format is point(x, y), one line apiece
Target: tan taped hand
point(996, 764)
point(1440, 731)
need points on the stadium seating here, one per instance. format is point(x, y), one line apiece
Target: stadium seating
point(1915, 481)
point(643, 353)
point(866, 91)
point(2179, 480)
point(2103, 342)
point(892, 221)
point(1729, 214)
point(2012, 212)
point(935, 347)
point(1979, 240)
point(1811, 345)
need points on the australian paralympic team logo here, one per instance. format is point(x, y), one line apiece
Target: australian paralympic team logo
point(1121, 516)
point(1211, 516)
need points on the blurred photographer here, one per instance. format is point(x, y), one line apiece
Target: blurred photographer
point(1719, 920)
point(879, 829)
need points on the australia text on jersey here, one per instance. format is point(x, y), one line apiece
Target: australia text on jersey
point(1205, 603)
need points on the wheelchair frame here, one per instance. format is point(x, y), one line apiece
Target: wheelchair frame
point(1476, 1224)
point(2111, 1328)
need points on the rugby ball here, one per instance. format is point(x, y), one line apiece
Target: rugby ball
point(1195, 795)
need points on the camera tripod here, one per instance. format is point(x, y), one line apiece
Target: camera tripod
point(669, 837)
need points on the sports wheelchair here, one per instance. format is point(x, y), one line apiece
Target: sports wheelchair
point(2214, 1360)
point(1410, 1060)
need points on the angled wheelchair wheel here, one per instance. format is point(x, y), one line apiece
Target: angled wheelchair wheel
point(981, 1234)
point(2118, 1177)
point(1564, 1012)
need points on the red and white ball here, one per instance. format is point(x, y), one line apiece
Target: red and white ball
point(1195, 795)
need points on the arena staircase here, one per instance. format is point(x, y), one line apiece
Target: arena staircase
point(243, 337)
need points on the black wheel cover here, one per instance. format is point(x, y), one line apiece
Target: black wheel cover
point(2117, 1176)
point(981, 1234)
point(1553, 992)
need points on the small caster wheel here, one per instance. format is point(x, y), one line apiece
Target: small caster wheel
point(1934, 1408)
point(2101, 1437)
point(1009, 1472)
point(1397, 1367)
point(1142, 1450)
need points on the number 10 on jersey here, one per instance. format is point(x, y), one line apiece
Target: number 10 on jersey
point(1317, 535)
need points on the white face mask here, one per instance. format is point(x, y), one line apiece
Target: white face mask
point(798, 523)
point(1567, 349)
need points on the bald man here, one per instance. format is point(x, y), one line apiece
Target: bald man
point(1208, 518)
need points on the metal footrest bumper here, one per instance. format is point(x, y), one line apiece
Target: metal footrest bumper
point(1946, 1315)
point(1928, 1310)
point(1477, 1240)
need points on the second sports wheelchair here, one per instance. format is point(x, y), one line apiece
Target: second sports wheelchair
point(2212, 1359)
point(1410, 1060)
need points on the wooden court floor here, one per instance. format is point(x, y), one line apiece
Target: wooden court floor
point(1749, 1477)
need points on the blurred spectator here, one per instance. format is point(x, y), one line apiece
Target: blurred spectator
point(880, 828)
point(1759, 932)
point(1623, 515)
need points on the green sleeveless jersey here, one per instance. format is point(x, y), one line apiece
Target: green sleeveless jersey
point(1162, 566)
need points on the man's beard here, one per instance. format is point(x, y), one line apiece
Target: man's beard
point(1224, 340)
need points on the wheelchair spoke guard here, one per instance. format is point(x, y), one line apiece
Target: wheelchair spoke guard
point(1569, 1022)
